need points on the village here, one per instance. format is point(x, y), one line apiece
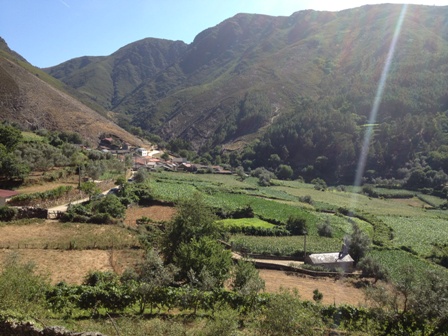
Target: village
point(154, 159)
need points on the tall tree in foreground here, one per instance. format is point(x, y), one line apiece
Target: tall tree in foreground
point(193, 221)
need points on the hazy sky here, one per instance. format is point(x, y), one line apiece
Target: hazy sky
point(49, 32)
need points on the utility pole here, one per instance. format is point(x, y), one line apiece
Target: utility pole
point(304, 246)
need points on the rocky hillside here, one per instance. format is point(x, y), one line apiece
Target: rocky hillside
point(34, 100)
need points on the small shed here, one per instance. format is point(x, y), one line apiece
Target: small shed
point(331, 261)
point(5, 195)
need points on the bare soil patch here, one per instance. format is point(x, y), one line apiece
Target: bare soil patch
point(334, 291)
point(156, 213)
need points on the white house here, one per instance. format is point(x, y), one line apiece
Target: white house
point(331, 261)
point(142, 151)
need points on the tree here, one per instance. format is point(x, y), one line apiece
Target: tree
point(319, 184)
point(203, 254)
point(324, 229)
point(90, 188)
point(148, 280)
point(359, 243)
point(370, 267)
point(285, 314)
point(247, 282)
point(284, 172)
point(110, 205)
point(297, 225)
point(240, 172)
point(194, 219)
point(10, 137)
point(141, 176)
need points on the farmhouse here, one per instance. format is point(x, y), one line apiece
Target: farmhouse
point(331, 261)
point(142, 152)
point(5, 195)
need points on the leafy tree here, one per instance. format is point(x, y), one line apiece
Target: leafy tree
point(372, 268)
point(284, 172)
point(319, 184)
point(324, 229)
point(297, 225)
point(240, 172)
point(90, 188)
point(104, 290)
point(194, 219)
point(247, 283)
point(285, 314)
point(10, 137)
point(148, 280)
point(203, 254)
point(110, 205)
point(141, 176)
point(359, 243)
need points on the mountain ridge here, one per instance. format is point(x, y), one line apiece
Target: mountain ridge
point(268, 86)
point(34, 100)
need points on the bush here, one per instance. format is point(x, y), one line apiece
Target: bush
point(296, 225)
point(101, 218)
point(7, 213)
point(110, 205)
point(324, 229)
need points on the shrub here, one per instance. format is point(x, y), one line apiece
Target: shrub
point(296, 225)
point(101, 218)
point(324, 229)
point(7, 213)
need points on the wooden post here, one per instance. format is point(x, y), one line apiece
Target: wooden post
point(304, 247)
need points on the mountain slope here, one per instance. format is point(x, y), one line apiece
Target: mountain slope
point(33, 103)
point(107, 80)
point(299, 90)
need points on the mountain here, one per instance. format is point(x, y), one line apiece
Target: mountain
point(107, 80)
point(35, 100)
point(300, 88)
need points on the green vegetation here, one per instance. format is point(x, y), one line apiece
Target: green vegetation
point(241, 222)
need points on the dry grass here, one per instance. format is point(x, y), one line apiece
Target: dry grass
point(73, 266)
point(55, 235)
point(334, 291)
point(156, 213)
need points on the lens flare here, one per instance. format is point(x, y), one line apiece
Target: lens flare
point(376, 104)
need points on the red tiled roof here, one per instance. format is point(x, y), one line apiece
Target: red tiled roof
point(7, 193)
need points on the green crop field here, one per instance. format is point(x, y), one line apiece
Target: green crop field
point(285, 246)
point(394, 261)
point(419, 233)
point(256, 222)
point(415, 229)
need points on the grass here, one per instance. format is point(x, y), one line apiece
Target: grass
point(334, 199)
point(420, 234)
point(31, 137)
point(395, 260)
point(66, 236)
point(240, 222)
point(285, 246)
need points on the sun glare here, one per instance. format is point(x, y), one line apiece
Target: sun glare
point(376, 104)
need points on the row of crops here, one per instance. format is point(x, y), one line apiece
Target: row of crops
point(413, 229)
